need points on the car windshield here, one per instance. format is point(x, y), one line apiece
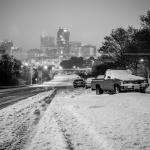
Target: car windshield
point(120, 72)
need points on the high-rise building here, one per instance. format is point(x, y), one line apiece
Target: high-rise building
point(48, 48)
point(63, 35)
point(47, 41)
point(88, 51)
point(75, 48)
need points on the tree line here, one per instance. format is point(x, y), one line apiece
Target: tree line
point(122, 42)
point(13, 72)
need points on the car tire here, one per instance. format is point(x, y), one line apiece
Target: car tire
point(117, 89)
point(86, 86)
point(98, 90)
point(142, 90)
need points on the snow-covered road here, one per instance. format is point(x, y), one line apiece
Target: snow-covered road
point(81, 120)
point(18, 121)
point(77, 119)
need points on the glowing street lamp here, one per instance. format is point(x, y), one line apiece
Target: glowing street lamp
point(148, 71)
point(45, 67)
point(141, 60)
point(60, 67)
point(27, 65)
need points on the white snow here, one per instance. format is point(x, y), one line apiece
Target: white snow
point(18, 120)
point(77, 119)
point(122, 75)
point(82, 120)
point(61, 80)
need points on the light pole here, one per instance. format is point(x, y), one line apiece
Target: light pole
point(147, 67)
point(31, 71)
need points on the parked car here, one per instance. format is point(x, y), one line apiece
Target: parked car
point(78, 83)
point(119, 80)
point(88, 82)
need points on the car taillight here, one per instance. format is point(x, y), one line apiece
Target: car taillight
point(145, 81)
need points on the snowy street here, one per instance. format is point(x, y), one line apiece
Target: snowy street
point(79, 119)
point(76, 119)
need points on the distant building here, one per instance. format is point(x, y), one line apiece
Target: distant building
point(6, 47)
point(35, 56)
point(75, 48)
point(47, 41)
point(18, 53)
point(63, 35)
point(88, 51)
point(51, 53)
point(48, 48)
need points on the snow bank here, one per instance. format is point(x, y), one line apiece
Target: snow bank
point(17, 121)
point(80, 120)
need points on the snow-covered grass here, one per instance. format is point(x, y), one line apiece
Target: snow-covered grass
point(79, 119)
point(17, 121)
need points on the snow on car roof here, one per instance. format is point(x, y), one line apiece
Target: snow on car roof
point(124, 75)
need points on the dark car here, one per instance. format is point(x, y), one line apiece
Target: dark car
point(78, 83)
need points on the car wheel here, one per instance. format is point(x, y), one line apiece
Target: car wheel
point(98, 90)
point(117, 89)
point(142, 90)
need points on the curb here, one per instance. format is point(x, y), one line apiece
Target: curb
point(49, 98)
point(11, 87)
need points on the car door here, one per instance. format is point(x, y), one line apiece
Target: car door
point(108, 83)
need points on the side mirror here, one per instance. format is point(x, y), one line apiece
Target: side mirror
point(108, 77)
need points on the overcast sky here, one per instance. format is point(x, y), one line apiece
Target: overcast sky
point(23, 21)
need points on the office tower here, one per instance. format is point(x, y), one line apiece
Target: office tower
point(47, 41)
point(63, 35)
point(88, 51)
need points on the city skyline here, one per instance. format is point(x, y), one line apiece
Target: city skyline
point(88, 21)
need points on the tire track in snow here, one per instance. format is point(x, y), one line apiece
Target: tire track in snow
point(77, 131)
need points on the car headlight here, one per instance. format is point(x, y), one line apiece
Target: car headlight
point(145, 81)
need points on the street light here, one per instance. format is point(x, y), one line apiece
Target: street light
point(141, 60)
point(30, 67)
point(147, 69)
point(45, 67)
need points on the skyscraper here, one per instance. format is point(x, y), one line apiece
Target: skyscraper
point(63, 35)
point(48, 48)
point(88, 51)
point(47, 41)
